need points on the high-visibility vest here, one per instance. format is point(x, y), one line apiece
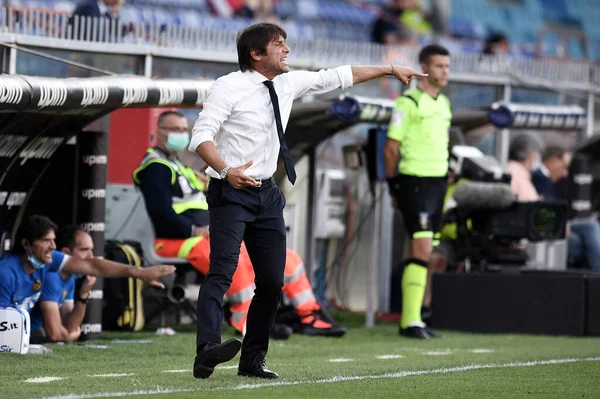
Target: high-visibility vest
point(181, 175)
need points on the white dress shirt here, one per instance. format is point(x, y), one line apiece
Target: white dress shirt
point(238, 115)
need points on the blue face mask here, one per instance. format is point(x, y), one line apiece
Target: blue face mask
point(177, 142)
point(33, 261)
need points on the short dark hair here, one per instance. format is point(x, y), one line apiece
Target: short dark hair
point(67, 235)
point(553, 151)
point(161, 117)
point(256, 37)
point(431, 50)
point(32, 228)
point(523, 144)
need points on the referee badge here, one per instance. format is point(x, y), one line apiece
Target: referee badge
point(397, 117)
point(424, 220)
point(37, 284)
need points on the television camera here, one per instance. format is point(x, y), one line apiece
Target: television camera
point(491, 222)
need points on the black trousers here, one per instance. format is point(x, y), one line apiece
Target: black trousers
point(255, 215)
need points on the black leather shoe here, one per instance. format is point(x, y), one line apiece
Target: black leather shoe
point(256, 368)
point(415, 332)
point(214, 354)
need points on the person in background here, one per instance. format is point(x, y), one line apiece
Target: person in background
point(419, 131)
point(106, 12)
point(496, 44)
point(402, 21)
point(33, 257)
point(176, 204)
point(59, 312)
point(524, 157)
point(583, 239)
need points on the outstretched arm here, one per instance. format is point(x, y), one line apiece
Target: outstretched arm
point(106, 268)
point(365, 73)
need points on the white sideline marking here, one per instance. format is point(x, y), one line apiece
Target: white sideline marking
point(38, 380)
point(401, 374)
point(433, 353)
point(482, 350)
point(340, 360)
point(190, 370)
point(111, 375)
point(383, 357)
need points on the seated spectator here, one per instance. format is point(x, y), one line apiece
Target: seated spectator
point(496, 44)
point(59, 313)
point(176, 204)
point(106, 11)
point(98, 8)
point(583, 234)
point(403, 20)
point(524, 155)
point(33, 257)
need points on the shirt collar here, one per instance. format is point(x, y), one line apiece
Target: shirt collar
point(544, 170)
point(255, 77)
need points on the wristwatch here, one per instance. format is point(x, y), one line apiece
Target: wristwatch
point(82, 300)
point(223, 173)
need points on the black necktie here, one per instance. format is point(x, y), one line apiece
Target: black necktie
point(285, 152)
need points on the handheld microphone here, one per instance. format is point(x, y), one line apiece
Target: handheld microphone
point(490, 196)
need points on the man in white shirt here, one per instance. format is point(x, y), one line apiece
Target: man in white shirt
point(240, 134)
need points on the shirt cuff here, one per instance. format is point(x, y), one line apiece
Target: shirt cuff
point(345, 73)
point(198, 139)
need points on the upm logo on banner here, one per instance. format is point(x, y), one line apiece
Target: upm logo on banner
point(52, 94)
point(94, 93)
point(170, 93)
point(581, 205)
point(91, 193)
point(93, 227)
point(9, 144)
point(41, 148)
point(91, 328)
point(583, 178)
point(134, 92)
point(96, 294)
point(11, 92)
point(92, 160)
point(12, 199)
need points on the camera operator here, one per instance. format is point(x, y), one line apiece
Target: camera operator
point(584, 239)
point(524, 155)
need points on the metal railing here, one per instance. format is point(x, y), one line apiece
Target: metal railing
point(208, 43)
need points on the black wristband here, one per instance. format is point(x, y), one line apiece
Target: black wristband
point(82, 300)
point(391, 181)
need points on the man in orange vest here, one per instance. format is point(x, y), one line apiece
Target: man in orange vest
point(175, 201)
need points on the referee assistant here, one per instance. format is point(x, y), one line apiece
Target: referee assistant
point(419, 130)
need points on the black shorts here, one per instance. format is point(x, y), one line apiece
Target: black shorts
point(421, 201)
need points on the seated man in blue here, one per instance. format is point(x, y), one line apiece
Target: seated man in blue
point(584, 238)
point(33, 257)
point(59, 313)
